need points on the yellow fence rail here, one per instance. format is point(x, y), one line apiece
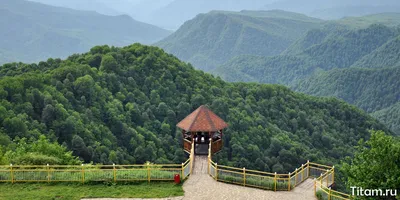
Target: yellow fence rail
point(96, 173)
point(323, 178)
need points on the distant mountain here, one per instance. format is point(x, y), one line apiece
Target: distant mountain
point(34, 31)
point(353, 11)
point(99, 6)
point(387, 19)
point(330, 50)
point(335, 9)
point(211, 39)
point(173, 15)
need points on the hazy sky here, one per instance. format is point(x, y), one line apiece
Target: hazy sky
point(170, 14)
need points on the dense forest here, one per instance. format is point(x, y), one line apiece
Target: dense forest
point(211, 39)
point(327, 50)
point(121, 105)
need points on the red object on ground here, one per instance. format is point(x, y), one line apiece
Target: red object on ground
point(177, 178)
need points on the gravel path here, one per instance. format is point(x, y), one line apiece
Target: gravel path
point(201, 186)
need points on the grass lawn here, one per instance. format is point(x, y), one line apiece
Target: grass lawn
point(45, 191)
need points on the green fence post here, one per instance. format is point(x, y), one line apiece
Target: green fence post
point(182, 172)
point(114, 173)
point(216, 171)
point(244, 176)
point(11, 173)
point(329, 195)
point(48, 173)
point(83, 174)
point(148, 172)
point(275, 182)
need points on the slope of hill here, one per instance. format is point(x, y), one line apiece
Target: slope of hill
point(212, 39)
point(335, 9)
point(88, 5)
point(390, 116)
point(353, 11)
point(34, 31)
point(387, 55)
point(121, 105)
point(173, 15)
point(369, 89)
point(339, 49)
point(387, 19)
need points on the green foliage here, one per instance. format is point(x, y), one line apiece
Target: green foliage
point(211, 39)
point(40, 152)
point(375, 164)
point(130, 116)
point(390, 116)
point(329, 48)
point(369, 89)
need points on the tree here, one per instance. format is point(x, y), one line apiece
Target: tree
point(109, 64)
point(376, 164)
point(79, 148)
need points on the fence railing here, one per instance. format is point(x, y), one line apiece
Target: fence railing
point(323, 178)
point(96, 173)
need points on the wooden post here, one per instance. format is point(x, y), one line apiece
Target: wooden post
point(302, 173)
point(115, 173)
point(289, 182)
point(182, 172)
point(244, 176)
point(275, 182)
point(295, 177)
point(308, 168)
point(216, 171)
point(83, 174)
point(48, 173)
point(148, 172)
point(333, 174)
point(12, 173)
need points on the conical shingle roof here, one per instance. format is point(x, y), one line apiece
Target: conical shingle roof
point(202, 119)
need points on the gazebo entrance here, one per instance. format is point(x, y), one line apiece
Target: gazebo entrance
point(202, 127)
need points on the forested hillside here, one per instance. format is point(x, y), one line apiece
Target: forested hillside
point(369, 89)
point(32, 31)
point(387, 55)
point(211, 39)
point(339, 49)
point(121, 105)
point(390, 116)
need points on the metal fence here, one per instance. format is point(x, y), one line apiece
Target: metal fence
point(323, 178)
point(96, 173)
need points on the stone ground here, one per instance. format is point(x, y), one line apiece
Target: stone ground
point(201, 186)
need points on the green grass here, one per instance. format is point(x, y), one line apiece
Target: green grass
point(35, 191)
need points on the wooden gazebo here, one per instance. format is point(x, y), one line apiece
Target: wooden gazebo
point(201, 127)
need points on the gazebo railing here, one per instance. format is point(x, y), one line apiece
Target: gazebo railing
point(187, 145)
point(216, 146)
